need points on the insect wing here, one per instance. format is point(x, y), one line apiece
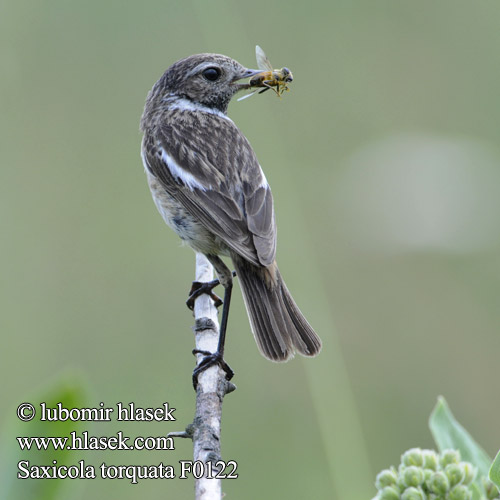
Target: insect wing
point(262, 61)
point(246, 96)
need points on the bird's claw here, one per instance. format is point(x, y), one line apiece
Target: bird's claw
point(199, 288)
point(210, 359)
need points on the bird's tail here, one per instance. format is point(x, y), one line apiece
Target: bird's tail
point(278, 326)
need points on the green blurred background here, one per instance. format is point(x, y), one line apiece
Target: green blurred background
point(385, 168)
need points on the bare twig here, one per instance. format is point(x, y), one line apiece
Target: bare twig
point(212, 387)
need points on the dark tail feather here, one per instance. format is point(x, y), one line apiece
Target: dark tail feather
point(277, 323)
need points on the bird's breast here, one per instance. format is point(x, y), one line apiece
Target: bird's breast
point(183, 223)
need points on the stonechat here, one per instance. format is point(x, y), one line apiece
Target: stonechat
point(209, 188)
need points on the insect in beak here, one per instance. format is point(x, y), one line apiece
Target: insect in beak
point(267, 77)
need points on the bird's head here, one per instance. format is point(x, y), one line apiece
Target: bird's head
point(207, 79)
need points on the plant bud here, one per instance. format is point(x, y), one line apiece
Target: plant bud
point(412, 493)
point(389, 493)
point(413, 476)
point(460, 492)
point(431, 459)
point(454, 473)
point(413, 457)
point(449, 457)
point(438, 483)
point(427, 475)
point(387, 477)
point(490, 489)
point(400, 482)
point(469, 472)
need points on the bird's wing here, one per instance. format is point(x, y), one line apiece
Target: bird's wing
point(207, 165)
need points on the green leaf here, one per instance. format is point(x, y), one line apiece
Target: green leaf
point(448, 433)
point(495, 471)
point(476, 492)
point(70, 394)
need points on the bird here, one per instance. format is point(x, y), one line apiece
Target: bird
point(209, 187)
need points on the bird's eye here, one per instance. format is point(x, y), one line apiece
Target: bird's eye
point(212, 74)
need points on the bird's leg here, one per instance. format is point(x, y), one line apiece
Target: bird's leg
point(198, 288)
point(217, 357)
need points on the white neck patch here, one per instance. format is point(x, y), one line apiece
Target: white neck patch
point(183, 104)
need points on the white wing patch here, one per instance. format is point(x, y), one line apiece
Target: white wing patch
point(263, 182)
point(144, 161)
point(179, 173)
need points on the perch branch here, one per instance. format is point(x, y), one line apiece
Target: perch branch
point(212, 387)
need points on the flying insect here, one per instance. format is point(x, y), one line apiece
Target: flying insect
point(274, 79)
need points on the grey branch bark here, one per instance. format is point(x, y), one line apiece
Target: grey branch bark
point(205, 430)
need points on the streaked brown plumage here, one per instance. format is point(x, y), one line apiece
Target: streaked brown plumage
point(209, 187)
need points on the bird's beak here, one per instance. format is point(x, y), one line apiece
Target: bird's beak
point(246, 73)
point(250, 72)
